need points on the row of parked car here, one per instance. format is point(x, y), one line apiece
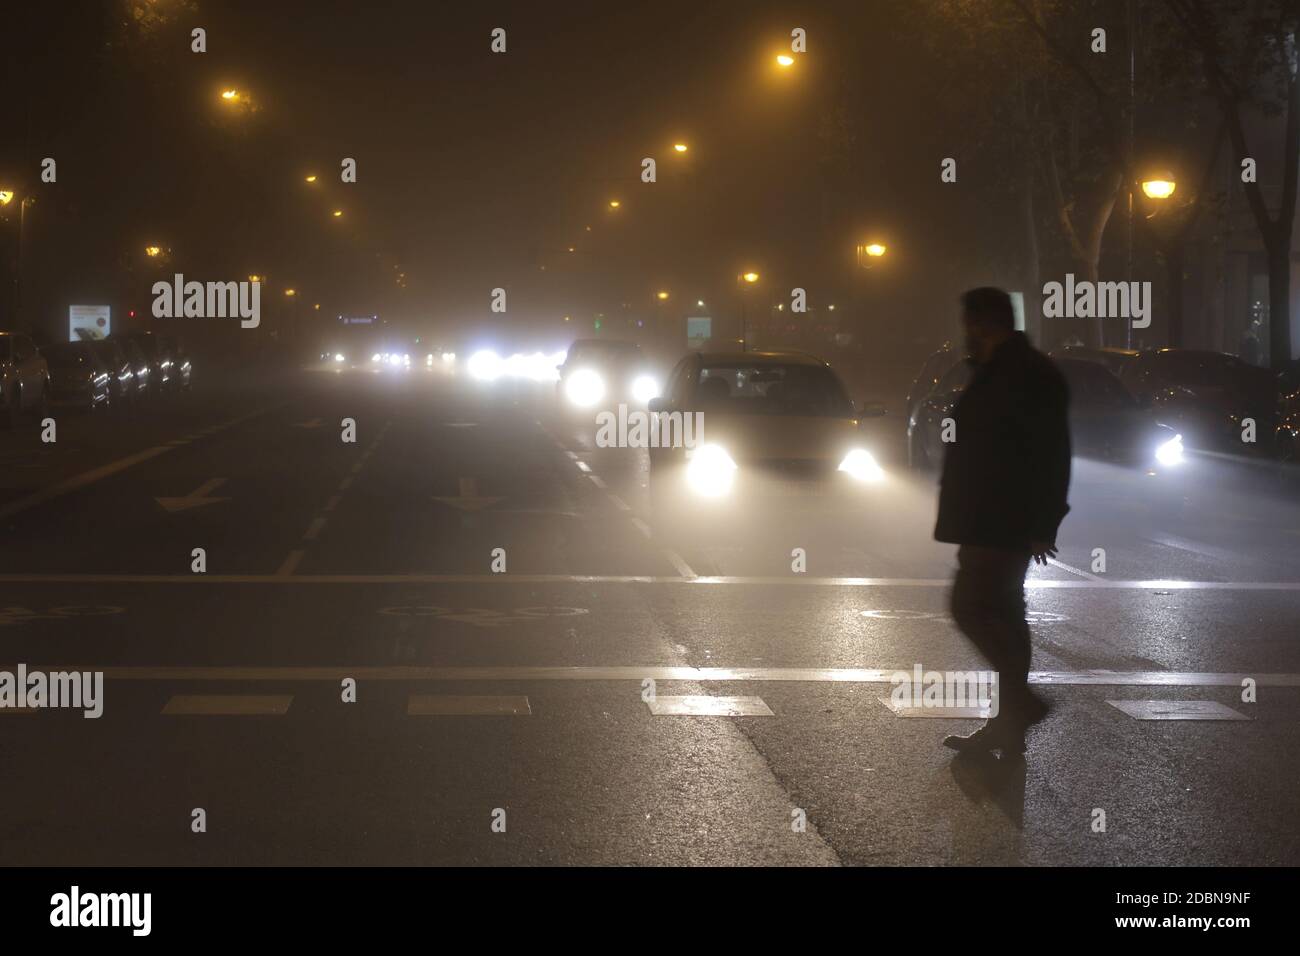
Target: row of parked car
point(1123, 403)
point(91, 374)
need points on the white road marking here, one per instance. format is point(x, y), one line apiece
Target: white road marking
point(447, 705)
point(583, 466)
point(908, 710)
point(678, 563)
point(619, 503)
point(1073, 570)
point(740, 675)
point(642, 527)
point(697, 580)
point(80, 481)
point(597, 481)
point(196, 498)
point(314, 529)
point(228, 705)
point(702, 705)
point(290, 563)
point(1176, 710)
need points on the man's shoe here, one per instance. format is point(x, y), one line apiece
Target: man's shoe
point(989, 737)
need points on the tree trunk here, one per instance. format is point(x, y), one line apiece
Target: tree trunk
point(1279, 304)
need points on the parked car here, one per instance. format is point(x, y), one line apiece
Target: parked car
point(139, 366)
point(182, 368)
point(121, 373)
point(159, 358)
point(1206, 396)
point(24, 377)
point(1106, 422)
point(1114, 359)
point(932, 369)
point(78, 379)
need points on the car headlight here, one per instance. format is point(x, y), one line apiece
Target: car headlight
point(710, 472)
point(338, 356)
point(644, 388)
point(860, 465)
point(1170, 453)
point(485, 366)
point(584, 388)
point(375, 358)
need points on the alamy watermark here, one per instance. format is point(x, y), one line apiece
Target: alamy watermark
point(1086, 299)
point(38, 690)
point(208, 300)
point(946, 689)
point(636, 428)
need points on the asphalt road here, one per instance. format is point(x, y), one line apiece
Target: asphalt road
point(487, 697)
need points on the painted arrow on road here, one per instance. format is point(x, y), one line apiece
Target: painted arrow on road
point(196, 498)
point(469, 499)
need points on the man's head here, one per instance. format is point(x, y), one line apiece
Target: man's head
point(988, 319)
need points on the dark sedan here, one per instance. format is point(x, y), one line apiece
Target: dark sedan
point(78, 378)
point(122, 384)
point(1106, 421)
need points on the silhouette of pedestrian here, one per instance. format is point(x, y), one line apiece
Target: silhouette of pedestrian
point(1002, 499)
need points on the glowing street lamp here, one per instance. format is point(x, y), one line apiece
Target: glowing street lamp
point(291, 292)
point(614, 204)
point(661, 296)
point(784, 61)
point(750, 277)
point(256, 278)
point(1160, 188)
point(6, 196)
point(153, 252)
point(337, 213)
point(874, 249)
point(310, 179)
point(680, 147)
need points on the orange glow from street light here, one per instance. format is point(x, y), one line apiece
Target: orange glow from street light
point(614, 204)
point(784, 61)
point(661, 296)
point(1159, 188)
point(874, 249)
point(153, 252)
point(6, 196)
point(291, 292)
point(680, 147)
point(750, 277)
point(311, 178)
point(336, 213)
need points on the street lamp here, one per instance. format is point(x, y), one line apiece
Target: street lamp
point(1161, 187)
point(680, 147)
point(750, 277)
point(6, 196)
point(337, 213)
point(614, 204)
point(310, 179)
point(291, 292)
point(661, 296)
point(153, 252)
point(784, 61)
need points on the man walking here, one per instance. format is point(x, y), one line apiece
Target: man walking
point(1001, 500)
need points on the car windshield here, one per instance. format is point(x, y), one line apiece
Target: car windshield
point(603, 352)
point(770, 389)
point(67, 356)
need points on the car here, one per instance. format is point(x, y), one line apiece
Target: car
point(122, 384)
point(24, 378)
point(772, 424)
point(182, 368)
point(1106, 422)
point(603, 373)
point(139, 366)
point(159, 358)
point(1114, 359)
point(78, 378)
point(1207, 397)
point(932, 369)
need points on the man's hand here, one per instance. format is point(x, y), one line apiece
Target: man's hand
point(1042, 550)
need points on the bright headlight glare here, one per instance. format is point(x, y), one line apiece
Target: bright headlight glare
point(584, 388)
point(644, 388)
point(338, 356)
point(485, 366)
point(1170, 452)
point(710, 472)
point(375, 357)
point(860, 465)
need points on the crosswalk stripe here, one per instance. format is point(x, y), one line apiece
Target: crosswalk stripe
point(703, 705)
point(228, 705)
point(448, 705)
point(1176, 710)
